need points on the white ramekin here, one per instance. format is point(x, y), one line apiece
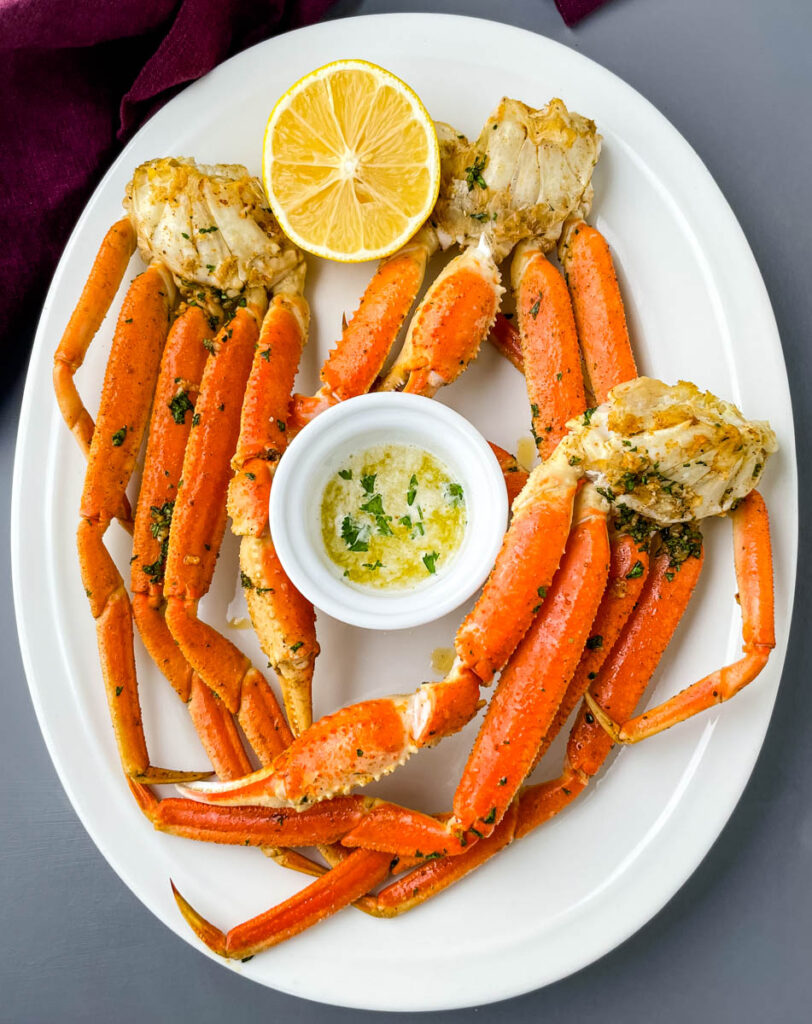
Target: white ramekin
point(319, 451)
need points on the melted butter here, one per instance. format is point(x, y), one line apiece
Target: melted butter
point(442, 658)
point(392, 517)
point(526, 453)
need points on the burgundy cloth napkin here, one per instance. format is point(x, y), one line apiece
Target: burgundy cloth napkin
point(573, 10)
point(76, 79)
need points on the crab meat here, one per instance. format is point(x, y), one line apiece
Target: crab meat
point(209, 224)
point(527, 173)
point(671, 453)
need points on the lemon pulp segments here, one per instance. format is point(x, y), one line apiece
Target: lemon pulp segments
point(351, 162)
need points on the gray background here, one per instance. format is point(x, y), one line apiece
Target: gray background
point(735, 77)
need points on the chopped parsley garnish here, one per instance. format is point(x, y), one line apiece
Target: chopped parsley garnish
point(374, 506)
point(295, 647)
point(345, 474)
point(636, 571)
point(372, 566)
point(208, 231)
point(118, 437)
point(355, 535)
point(594, 642)
point(368, 483)
point(411, 494)
point(208, 344)
point(161, 516)
point(534, 309)
point(454, 493)
point(179, 406)
point(473, 174)
point(245, 581)
point(588, 415)
point(430, 562)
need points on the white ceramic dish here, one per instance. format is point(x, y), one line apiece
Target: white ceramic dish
point(320, 450)
point(697, 308)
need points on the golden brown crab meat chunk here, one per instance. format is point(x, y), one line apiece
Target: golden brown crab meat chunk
point(210, 224)
point(528, 171)
point(673, 453)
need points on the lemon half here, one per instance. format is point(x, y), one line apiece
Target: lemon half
point(350, 162)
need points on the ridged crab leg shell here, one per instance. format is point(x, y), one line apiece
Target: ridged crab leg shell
point(551, 356)
point(357, 359)
point(431, 878)
point(283, 618)
point(535, 678)
point(448, 326)
point(198, 524)
point(628, 571)
point(346, 882)
point(528, 559)
point(353, 746)
point(182, 365)
point(621, 683)
point(97, 295)
point(598, 309)
point(355, 363)
point(753, 560)
point(129, 382)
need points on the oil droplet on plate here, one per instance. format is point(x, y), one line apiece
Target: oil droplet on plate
point(240, 623)
point(442, 658)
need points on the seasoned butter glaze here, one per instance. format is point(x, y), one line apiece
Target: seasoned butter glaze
point(392, 517)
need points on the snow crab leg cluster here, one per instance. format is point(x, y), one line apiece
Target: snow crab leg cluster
point(596, 568)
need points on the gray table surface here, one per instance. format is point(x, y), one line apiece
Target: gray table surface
point(735, 943)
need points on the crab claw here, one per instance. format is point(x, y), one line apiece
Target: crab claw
point(353, 746)
point(449, 325)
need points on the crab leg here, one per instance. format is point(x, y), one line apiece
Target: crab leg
point(198, 524)
point(753, 559)
point(344, 883)
point(129, 382)
point(98, 293)
point(182, 366)
point(551, 357)
point(628, 571)
point(283, 618)
point(598, 309)
point(356, 361)
point(102, 284)
point(448, 326)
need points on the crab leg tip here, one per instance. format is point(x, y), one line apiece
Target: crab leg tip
point(167, 776)
point(203, 929)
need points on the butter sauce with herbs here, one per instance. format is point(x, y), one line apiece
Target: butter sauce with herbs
point(392, 517)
